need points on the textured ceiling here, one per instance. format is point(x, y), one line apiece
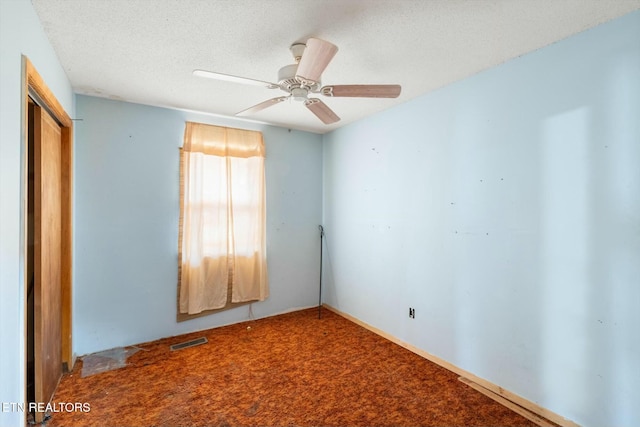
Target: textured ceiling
point(144, 51)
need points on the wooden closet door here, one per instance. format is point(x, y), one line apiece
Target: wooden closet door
point(47, 255)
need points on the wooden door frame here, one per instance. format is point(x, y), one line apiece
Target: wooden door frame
point(33, 84)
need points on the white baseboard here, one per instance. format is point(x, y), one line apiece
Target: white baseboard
point(487, 385)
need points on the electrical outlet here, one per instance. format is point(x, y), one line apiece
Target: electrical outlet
point(412, 313)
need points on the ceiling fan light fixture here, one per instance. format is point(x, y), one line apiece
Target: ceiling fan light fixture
point(299, 94)
point(303, 78)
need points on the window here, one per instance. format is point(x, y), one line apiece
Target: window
point(222, 242)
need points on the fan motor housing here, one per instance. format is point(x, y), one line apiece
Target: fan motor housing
point(288, 82)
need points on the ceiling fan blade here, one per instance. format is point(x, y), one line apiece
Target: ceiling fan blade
point(259, 107)
point(233, 79)
point(321, 110)
point(315, 58)
point(362, 91)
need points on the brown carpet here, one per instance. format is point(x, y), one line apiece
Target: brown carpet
point(287, 370)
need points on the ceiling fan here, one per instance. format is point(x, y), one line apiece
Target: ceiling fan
point(302, 79)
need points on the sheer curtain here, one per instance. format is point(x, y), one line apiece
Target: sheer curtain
point(223, 215)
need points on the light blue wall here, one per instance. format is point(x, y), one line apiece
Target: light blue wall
point(505, 209)
point(126, 223)
point(20, 34)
